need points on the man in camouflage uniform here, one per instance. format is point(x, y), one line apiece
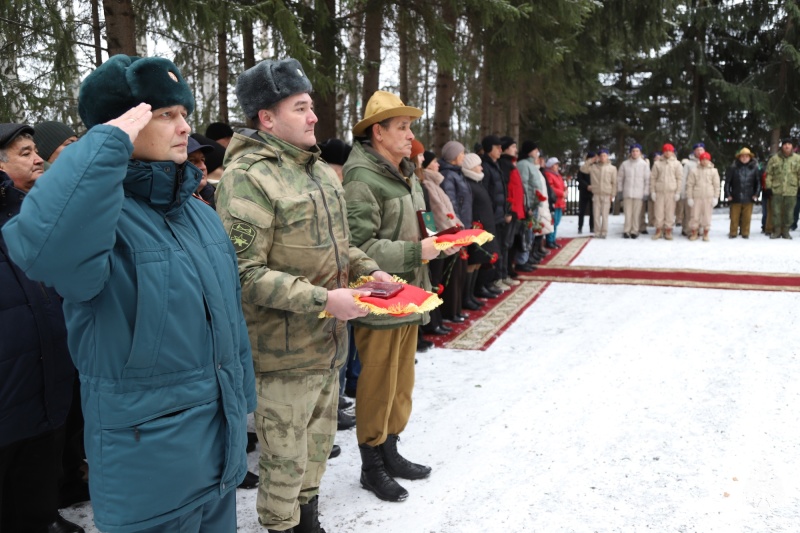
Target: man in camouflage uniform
point(285, 213)
point(383, 196)
point(783, 170)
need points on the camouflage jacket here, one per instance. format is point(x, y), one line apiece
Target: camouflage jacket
point(285, 213)
point(382, 207)
point(782, 174)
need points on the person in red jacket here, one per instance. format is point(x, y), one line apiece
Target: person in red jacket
point(516, 199)
point(556, 182)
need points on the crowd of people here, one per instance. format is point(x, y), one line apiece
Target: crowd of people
point(161, 285)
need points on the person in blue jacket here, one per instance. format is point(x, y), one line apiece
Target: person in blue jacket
point(152, 305)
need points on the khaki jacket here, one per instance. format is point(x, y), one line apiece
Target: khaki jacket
point(666, 176)
point(703, 183)
point(382, 205)
point(604, 178)
point(286, 215)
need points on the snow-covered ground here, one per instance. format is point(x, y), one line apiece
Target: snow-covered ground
point(603, 409)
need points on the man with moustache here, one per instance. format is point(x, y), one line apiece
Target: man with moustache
point(383, 196)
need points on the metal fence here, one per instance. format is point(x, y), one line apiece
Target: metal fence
point(572, 194)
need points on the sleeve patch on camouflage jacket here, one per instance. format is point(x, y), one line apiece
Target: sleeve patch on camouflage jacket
point(242, 236)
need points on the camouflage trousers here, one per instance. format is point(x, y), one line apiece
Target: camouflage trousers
point(296, 423)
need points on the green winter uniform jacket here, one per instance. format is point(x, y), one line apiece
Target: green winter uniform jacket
point(382, 205)
point(285, 213)
point(782, 174)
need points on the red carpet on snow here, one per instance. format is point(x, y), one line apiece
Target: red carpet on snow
point(488, 323)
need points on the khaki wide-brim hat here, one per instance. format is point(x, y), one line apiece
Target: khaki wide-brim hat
point(383, 105)
point(744, 151)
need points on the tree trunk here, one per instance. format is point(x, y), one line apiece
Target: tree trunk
point(513, 116)
point(248, 46)
point(96, 33)
point(352, 75)
point(487, 112)
point(325, 44)
point(120, 27)
point(373, 33)
point(11, 106)
point(222, 51)
point(445, 87)
point(444, 108)
point(402, 51)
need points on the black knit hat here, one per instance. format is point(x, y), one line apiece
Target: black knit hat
point(124, 82)
point(427, 158)
point(335, 151)
point(218, 130)
point(527, 148)
point(269, 82)
point(9, 132)
point(489, 141)
point(49, 136)
point(506, 141)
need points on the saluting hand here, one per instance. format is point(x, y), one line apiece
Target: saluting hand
point(133, 120)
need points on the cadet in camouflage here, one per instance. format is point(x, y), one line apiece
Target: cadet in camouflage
point(285, 213)
point(783, 176)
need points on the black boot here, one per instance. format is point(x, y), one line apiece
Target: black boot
point(483, 292)
point(344, 403)
point(345, 421)
point(469, 289)
point(62, 525)
point(374, 476)
point(309, 518)
point(399, 466)
point(336, 451)
point(250, 481)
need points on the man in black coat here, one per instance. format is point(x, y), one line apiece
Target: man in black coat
point(742, 187)
point(496, 187)
point(36, 372)
point(585, 197)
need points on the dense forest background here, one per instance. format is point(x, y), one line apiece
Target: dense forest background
point(572, 74)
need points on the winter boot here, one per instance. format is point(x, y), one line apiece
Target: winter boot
point(62, 525)
point(705, 235)
point(309, 518)
point(668, 234)
point(657, 234)
point(693, 236)
point(469, 288)
point(374, 476)
point(344, 420)
point(468, 300)
point(399, 466)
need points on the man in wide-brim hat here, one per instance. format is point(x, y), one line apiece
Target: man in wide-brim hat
point(742, 187)
point(383, 195)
